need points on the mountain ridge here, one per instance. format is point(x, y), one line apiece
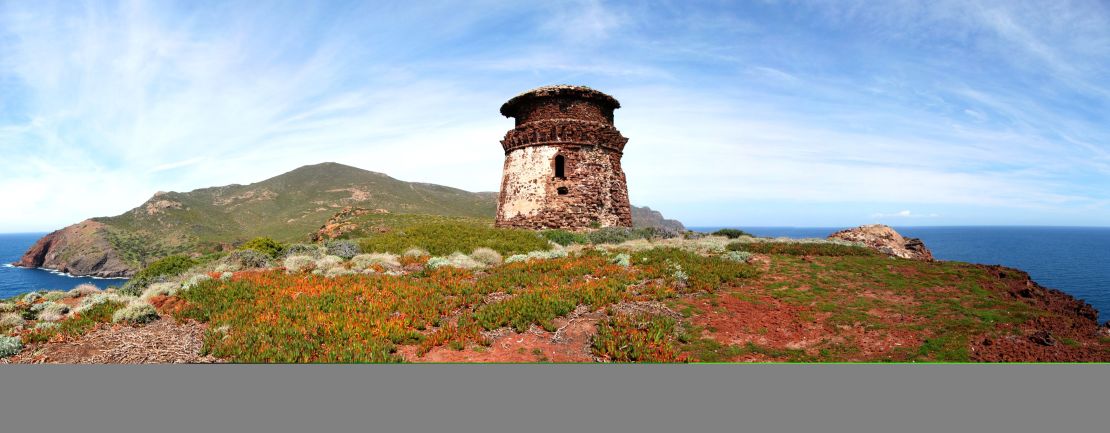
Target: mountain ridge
point(287, 207)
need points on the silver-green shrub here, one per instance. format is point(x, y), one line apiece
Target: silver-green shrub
point(737, 256)
point(9, 346)
point(622, 259)
point(487, 256)
point(54, 296)
point(160, 289)
point(31, 297)
point(415, 252)
point(299, 263)
point(192, 281)
point(136, 313)
point(455, 260)
point(11, 320)
point(327, 262)
point(536, 255)
point(6, 307)
point(343, 248)
point(83, 290)
point(312, 250)
point(366, 261)
point(52, 312)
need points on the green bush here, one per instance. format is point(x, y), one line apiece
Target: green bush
point(443, 238)
point(264, 245)
point(158, 271)
point(564, 238)
point(803, 249)
point(732, 233)
point(616, 235)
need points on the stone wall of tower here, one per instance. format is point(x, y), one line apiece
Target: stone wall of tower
point(593, 191)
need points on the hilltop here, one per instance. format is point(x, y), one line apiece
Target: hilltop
point(289, 208)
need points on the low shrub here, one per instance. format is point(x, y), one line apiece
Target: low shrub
point(160, 289)
point(6, 307)
point(564, 238)
point(367, 261)
point(803, 249)
point(135, 313)
point(638, 339)
point(31, 297)
point(9, 346)
point(343, 248)
point(54, 296)
point(338, 272)
point(52, 312)
point(486, 256)
point(444, 237)
point(300, 263)
point(157, 272)
point(415, 252)
point(193, 280)
point(537, 255)
point(327, 262)
point(616, 235)
point(455, 260)
point(83, 290)
point(622, 259)
point(311, 250)
point(731, 233)
point(266, 246)
point(46, 326)
point(11, 320)
point(249, 259)
point(737, 256)
point(94, 301)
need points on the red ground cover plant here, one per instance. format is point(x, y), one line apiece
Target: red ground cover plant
point(272, 316)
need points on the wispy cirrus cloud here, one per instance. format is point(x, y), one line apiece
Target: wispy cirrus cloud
point(756, 114)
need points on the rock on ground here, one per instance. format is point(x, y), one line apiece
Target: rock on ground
point(884, 239)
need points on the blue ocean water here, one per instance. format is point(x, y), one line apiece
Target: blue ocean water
point(14, 281)
point(1075, 260)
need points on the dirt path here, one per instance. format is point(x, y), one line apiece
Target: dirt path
point(160, 342)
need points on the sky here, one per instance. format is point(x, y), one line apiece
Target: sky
point(762, 113)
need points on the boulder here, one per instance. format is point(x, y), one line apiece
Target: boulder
point(887, 241)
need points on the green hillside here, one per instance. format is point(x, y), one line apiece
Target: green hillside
point(287, 207)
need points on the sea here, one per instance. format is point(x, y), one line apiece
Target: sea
point(15, 281)
point(1075, 260)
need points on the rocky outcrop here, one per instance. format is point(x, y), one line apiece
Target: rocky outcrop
point(647, 217)
point(885, 240)
point(341, 223)
point(81, 249)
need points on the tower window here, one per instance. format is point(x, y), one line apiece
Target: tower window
point(560, 163)
point(562, 190)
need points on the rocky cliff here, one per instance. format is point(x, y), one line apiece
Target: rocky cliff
point(81, 249)
point(647, 217)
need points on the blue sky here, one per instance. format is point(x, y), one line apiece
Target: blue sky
point(765, 113)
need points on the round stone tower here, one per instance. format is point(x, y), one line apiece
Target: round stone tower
point(563, 161)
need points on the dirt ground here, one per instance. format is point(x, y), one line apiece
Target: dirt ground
point(163, 341)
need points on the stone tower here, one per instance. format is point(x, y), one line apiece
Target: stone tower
point(563, 161)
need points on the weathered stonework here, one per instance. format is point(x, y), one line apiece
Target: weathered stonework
point(571, 127)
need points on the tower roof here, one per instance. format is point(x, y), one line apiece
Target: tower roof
point(510, 108)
